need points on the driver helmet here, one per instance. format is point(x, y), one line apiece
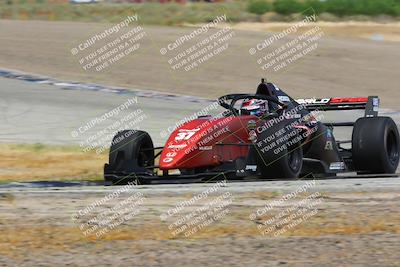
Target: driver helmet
point(255, 107)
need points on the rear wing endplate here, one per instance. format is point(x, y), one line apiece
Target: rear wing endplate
point(369, 104)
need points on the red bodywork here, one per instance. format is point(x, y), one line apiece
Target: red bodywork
point(194, 144)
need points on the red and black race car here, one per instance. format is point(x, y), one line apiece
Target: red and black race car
point(266, 135)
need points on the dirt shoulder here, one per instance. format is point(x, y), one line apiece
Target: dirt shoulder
point(338, 67)
point(357, 228)
point(347, 29)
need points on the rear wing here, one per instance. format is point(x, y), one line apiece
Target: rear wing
point(369, 104)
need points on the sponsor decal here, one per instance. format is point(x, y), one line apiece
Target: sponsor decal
point(337, 166)
point(283, 98)
point(251, 167)
point(184, 134)
point(313, 101)
point(177, 146)
point(328, 145)
point(205, 148)
point(253, 136)
point(251, 124)
point(169, 157)
point(167, 160)
point(292, 116)
point(375, 104)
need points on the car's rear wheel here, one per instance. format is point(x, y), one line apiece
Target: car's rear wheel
point(375, 145)
point(286, 164)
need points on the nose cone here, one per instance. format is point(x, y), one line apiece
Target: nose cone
point(182, 145)
point(197, 143)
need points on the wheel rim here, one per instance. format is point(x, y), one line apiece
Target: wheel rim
point(392, 148)
point(143, 157)
point(294, 159)
point(143, 160)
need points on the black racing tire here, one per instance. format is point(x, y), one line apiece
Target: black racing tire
point(283, 159)
point(131, 149)
point(375, 145)
point(287, 164)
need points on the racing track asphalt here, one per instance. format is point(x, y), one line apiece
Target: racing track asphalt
point(329, 185)
point(41, 113)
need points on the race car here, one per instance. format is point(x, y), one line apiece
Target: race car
point(266, 135)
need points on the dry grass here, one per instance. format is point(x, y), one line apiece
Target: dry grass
point(40, 162)
point(66, 237)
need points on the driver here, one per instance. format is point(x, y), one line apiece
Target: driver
point(257, 107)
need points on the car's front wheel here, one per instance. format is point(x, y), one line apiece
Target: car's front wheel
point(131, 153)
